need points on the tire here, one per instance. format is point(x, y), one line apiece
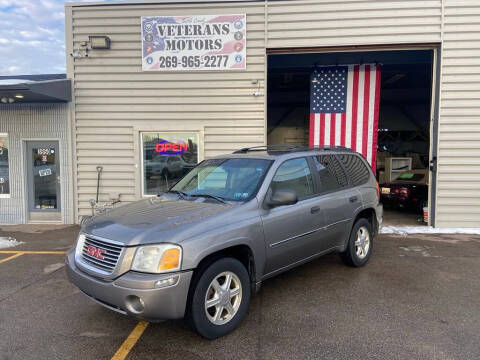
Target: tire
point(353, 256)
point(216, 321)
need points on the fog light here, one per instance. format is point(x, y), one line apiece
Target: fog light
point(170, 281)
point(134, 304)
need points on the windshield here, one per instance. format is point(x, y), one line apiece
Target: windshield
point(410, 176)
point(228, 179)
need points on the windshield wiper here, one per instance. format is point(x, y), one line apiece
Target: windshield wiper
point(218, 198)
point(181, 193)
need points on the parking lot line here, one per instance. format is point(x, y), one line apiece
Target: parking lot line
point(31, 252)
point(11, 257)
point(130, 341)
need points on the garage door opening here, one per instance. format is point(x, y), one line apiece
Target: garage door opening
point(404, 145)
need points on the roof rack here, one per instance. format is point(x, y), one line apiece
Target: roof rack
point(289, 148)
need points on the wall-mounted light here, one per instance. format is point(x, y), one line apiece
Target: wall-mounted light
point(257, 91)
point(99, 42)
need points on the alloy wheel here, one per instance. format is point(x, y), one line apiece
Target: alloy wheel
point(362, 242)
point(223, 298)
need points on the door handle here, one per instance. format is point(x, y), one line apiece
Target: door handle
point(315, 209)
point(353, 199)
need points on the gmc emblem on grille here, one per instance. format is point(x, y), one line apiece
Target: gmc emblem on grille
point(95, 252)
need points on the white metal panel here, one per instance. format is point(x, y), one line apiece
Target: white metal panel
point(316, 23)
point(458, 190)
point(115, 100)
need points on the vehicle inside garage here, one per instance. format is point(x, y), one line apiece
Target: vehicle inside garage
point(403, 147)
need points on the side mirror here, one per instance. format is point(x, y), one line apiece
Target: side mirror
point(282, 197)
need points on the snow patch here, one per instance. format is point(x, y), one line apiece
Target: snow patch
point(52, 267)
point(405, 230)
point(421, 250)
point(7, 242)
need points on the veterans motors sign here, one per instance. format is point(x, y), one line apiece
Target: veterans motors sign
point(203, 42)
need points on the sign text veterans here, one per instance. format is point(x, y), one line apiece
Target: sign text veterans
point(203, 42)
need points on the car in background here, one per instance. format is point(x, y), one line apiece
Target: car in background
point(170, 166)
point(409, 191)
point(164, 165)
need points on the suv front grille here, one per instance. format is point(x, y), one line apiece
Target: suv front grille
point(107, 254)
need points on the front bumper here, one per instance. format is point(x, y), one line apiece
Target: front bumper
point(134, 293)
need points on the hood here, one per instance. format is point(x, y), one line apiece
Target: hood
point(153, 220)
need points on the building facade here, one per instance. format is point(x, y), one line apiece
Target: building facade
point(118, 108)
point(35, 151)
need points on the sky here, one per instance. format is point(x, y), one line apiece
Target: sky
point(32, 37)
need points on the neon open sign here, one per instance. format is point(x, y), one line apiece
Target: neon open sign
point(173, 147)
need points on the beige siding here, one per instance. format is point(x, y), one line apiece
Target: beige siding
point(458, 186)
point(115, 100)
point(313, 23)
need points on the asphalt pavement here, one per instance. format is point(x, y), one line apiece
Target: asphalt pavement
point(418, 298)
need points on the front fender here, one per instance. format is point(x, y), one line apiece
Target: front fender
point(250, 234)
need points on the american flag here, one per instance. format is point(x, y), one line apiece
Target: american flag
point(344, 104)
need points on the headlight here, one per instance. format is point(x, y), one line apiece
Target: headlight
point(80, 243)
point(157, 258)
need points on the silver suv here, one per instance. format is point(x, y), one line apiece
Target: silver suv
point(199, 250)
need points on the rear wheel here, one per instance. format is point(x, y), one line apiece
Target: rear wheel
point(360, 244)
point(220, 298)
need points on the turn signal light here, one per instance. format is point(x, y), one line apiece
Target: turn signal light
point(170, 260)
point(378, 189)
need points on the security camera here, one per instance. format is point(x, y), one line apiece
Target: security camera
point(76, 55)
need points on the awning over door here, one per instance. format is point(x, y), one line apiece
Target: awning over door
point(35, 89)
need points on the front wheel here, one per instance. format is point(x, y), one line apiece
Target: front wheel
point(220, 298)
point(360, 244)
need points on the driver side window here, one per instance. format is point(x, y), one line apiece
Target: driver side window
point(294, 175)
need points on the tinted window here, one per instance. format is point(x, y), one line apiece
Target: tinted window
point(294, 175)
point(356, 169)
point(328, 179)
point(334, 168)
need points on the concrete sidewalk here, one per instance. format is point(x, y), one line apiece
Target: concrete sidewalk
point(418, 298)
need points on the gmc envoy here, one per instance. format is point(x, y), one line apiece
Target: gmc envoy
point(202, 248)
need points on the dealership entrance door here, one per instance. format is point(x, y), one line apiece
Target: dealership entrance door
point(407, 126)
point(43, 181)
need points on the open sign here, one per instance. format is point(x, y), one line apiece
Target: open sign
point(172, 147)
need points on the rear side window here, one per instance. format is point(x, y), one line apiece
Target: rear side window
point(356, 169)
point(327, 176)
point(294, 175)
point(331, 164)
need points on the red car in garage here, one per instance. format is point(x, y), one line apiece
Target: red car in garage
point(409, 190)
